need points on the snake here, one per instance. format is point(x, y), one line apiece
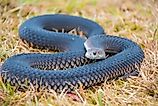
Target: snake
point(79, 63)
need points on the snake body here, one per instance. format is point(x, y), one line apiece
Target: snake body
point(71, 68)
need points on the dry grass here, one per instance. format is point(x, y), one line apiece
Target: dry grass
point(136, 20)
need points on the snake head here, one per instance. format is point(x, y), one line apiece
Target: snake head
point(95, 53)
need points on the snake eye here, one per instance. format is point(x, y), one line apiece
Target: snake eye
point(94, 53)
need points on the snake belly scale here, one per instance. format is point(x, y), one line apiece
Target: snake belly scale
point(71, 68)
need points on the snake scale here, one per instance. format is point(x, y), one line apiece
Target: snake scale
point(69, 68)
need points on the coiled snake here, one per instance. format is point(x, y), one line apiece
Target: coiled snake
point(73, 66)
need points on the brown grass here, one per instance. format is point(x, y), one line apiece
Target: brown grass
point(136, 20)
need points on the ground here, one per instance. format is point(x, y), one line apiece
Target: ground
point(134, 19)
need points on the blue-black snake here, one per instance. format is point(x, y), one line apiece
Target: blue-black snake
point(70, 68)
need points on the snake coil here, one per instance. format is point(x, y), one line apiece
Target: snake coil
point(71, 68)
